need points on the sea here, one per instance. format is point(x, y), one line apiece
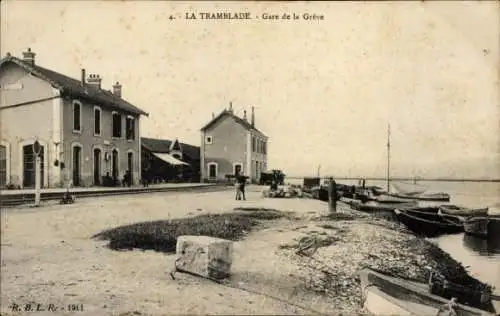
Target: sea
point(480, 257)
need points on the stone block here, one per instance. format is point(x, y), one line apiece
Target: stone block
point(205, 256)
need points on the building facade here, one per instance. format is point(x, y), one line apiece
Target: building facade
point(164, 160)
point(232, 145)
point(86, 132)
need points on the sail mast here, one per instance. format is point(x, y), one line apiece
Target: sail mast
point(388, 156)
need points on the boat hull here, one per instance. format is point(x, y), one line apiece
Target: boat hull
point(437, 197)
point(462, 211)
point(386, 295)
point(427, 224)
point(477, 226)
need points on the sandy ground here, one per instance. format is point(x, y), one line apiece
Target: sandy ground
point(48, 257)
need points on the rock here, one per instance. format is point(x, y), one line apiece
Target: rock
point(205, 256)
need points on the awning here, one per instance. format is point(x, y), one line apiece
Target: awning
point(170, 159)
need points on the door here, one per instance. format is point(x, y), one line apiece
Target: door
point(212, 171)
point(237, 169)
point(97, 166)
point(114, 165)
point(3, 166)
point(130, 161)
point(77, 160)
point(29, 166)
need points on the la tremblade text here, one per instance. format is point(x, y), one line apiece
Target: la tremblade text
point(246, 16)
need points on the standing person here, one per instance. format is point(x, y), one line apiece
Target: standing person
point(332, 195)
point(242, 181)
point(237, 187)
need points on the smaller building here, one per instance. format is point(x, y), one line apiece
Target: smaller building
point(165, 160)
point(232, 145)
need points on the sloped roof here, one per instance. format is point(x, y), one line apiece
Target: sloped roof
point(74, 88)
point(163, 146)
point(239, 120)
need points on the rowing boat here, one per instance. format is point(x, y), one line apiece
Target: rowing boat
point(437, 197)
point(462, 211)
point(428, 224)
point(387, 295)
point(477, 226)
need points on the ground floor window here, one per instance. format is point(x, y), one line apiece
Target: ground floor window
point(212, 170)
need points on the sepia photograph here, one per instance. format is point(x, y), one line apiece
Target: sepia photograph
point(249, 157)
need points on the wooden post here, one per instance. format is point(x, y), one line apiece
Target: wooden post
point(332, 196)
point(37, 179)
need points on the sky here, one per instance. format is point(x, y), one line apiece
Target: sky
point(324, 91)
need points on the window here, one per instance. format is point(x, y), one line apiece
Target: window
point(3, 166)
point(130, 128)
point(264, 148)
point(212, 170)
point(117, 125)
point(208, 140)
point(253, 144)
point(77, 113)
point(97, 121)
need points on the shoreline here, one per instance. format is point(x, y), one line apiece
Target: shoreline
point(266, 269)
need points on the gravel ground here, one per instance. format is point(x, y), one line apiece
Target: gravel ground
point(49, 257)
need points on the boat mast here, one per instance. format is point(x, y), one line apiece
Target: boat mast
point(388, 156)
point(319, 167)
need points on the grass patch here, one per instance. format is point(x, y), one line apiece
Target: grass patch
point(162, 235)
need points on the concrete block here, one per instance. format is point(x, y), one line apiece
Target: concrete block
point(205, 256)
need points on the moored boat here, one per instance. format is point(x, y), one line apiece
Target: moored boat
point(437, 197)
point(477, 226)
point(387, 295)
point(462, 211)
point(428, 224)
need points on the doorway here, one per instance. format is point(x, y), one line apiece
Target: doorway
point(114, 165)
point(97, 166)
point(130, 165)
point(77, 161)
point(29, 166)
point(237, 169)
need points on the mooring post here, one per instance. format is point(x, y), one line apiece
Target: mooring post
point(332, 196)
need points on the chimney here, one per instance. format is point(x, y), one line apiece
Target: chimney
point(245, 115)
point(253, 117)
point(8, 54)
point(83, 77)
point(94, 80)
point(213, 115)
point(29, 56)
point(231, 107)
point(117, 89)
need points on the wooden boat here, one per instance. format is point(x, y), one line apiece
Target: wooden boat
point(477, 226)
point(428, 224)
point(373, 206)
point(387, 295)
point(437, 197)
point(463, 211)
